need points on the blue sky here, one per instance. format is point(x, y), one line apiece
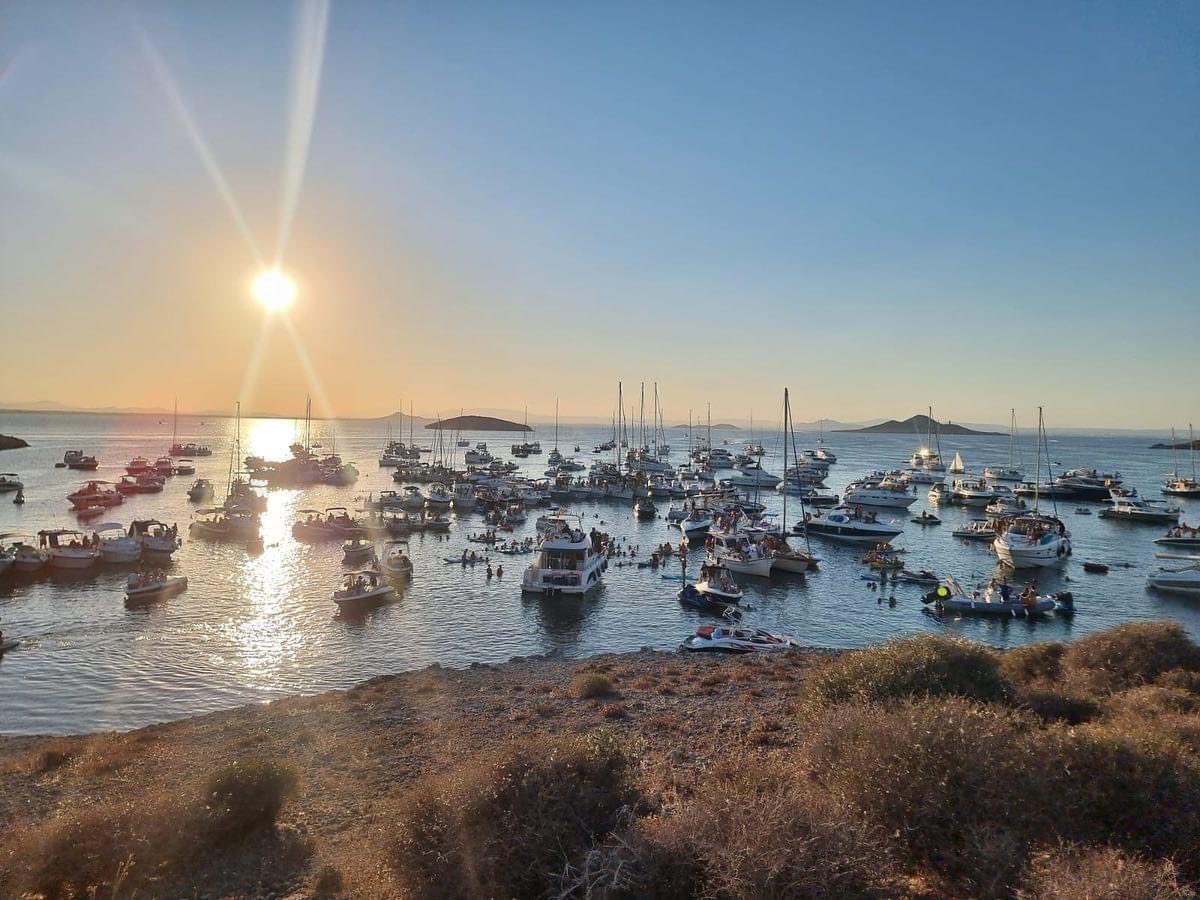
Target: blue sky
point(882, 205)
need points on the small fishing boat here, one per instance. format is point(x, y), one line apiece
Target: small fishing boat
point(715, 638)
point(10, 481)
point(698, 596)
point(154, 585)
point(361, 591)
point(200, 491)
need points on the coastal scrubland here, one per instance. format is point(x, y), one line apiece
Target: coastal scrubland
point(924, 767)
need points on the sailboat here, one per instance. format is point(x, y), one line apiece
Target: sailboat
point(929, 455)
point(1177, 486)
point(1034, 540)
point(1009, 472)
point(958, 466)
point(787, 558)
point(555, 457)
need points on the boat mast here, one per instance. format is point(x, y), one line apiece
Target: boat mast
point(642, 418)
point(556, 424)
point(175, 425)
point(1037, 483)
point(1012, 434)
point(1175, 453)
point(1192, 449)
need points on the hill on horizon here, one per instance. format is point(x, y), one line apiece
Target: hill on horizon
point(918, 424)
point(477, 423)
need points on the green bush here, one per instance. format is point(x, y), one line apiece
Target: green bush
point(923, 666)
point(508, 825)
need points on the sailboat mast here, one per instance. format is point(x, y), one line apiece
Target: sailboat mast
point(1192, 449)
point(1175, 452)
point(1012, 434)
point(175, 424)
point(1037, 484)
point(555, 423)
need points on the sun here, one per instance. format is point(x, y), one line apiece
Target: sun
point(274, 290)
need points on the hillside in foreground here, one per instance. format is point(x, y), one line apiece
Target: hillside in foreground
point(928, 767)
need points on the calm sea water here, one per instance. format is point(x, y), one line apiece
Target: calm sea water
point(252, 628)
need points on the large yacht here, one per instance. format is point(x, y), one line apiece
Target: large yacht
point(568, 560)
point(879, 490)
point(1127, 506)
point(846, 524)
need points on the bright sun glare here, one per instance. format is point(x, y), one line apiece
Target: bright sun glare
point(274, 290)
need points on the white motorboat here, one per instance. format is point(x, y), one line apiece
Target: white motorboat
point(981, 530)
point(972, 493)
point(1031, 541)
point(1180, 536)
point(412, 498)
point(95, 493)
point(1006, 506)
point(164, 466)
point(1185, 580)
point(1127, 506)
point(29, 558)
point(464, 497)
point(568, 560)
point(887, 490)
point(201, 491)
point(157, 540)
point(752, 476)
point(10, 481)
point(786, 558)
point(738, 552)
point(395, 561)
point(185, 467)
point(220, 524)
point(356, 550)
point(439, 497)
point(845, 524)
point(737, 640)
point(152, 586)
point(696, 523)
point(139, 465)
point(116, 546)
point(923, 476)
point(362, 590)
point(69, 549)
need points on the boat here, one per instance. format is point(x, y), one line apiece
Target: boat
point(200, 491)
point(221, 524)
point(190, 450)
point(752, 476)
point(157, 540)
point(569, 561)
point(696, 523)
point(845, 524)
point(396, 561)
point(972, 493)
point(879, 490)
point(76, 459)
point(116, 546)
point(154, 585)
point(356, 550)
point(948, 598)
point(95, 493)
point(185, 467)
point(1097, 567)
point(439, 497)
point(1126, 506)
point(926, 518)
point(1184, 580)
point(715, 638)
point(412, 499)
point(929, 455)
point(923, 476)
point(883, 576)
point(697, 597)
point(68, 548)
point(362, 590)
point(145, 483)
point(139, 465)
point(644, 508)
point(1033, 540)
point(981, 530)
point(1009, 472)
point(1008, 506)
point(29, 558)
point(958, 467)
point(10, 481)
point(738, 552)
point(1180, 536)
point(1177, 485)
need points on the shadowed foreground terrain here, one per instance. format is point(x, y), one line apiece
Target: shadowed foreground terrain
point(926, 767)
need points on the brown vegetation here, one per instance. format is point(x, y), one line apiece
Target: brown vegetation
point(925, 767)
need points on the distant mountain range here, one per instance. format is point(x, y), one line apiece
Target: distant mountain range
point(1178, 445)
point(917, 425)
point(477, 423)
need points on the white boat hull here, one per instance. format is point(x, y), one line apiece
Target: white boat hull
point(61, 560)
point(1031, 556)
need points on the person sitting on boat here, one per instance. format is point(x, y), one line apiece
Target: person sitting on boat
point(1029, 596)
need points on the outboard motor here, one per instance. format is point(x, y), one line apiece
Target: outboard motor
point(1065, 601)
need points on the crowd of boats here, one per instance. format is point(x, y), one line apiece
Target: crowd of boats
point(713, 497)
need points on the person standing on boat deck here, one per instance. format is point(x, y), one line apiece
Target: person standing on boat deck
point(1005, 591)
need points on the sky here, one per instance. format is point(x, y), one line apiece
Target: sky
point(881, 206)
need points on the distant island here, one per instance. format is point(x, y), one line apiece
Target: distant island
point(724, 426)
point(8, 442)
point(917, 425)
point(1178, 445)
point(477, 423)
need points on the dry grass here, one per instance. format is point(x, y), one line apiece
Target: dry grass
point(1033, 662)
point(589, 686)
point(1099, 874)
point(1129, 655)
point(924, 666)
point(508, 824)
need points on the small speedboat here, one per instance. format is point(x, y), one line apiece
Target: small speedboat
point(185, 467)
point(1185, 580)
point(201, 491)
point(396, 561)
point(151, 586)
point(77, 459)
point(698, 596)
point(356, 550)
point(981, 530)
point(10, 481)
point(644, 508)
point(924, 577)
point(737, 640)
point(926, 518)
point(362, 590)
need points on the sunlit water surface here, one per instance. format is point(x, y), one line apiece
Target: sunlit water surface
point(252, 628)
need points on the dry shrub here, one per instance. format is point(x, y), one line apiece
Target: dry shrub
point(712, 679)
point(1131, 654)
point(137, 842)
point(1181, 679)
point(645, 682)
point(923, 666)
point(1093, 874)
point(969, 787)
point(614, 711)
point(759, 834)
point(1057, 706)
point(508, 824)
point(1149, 701)
point(1033, 662)
point(587, 686)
